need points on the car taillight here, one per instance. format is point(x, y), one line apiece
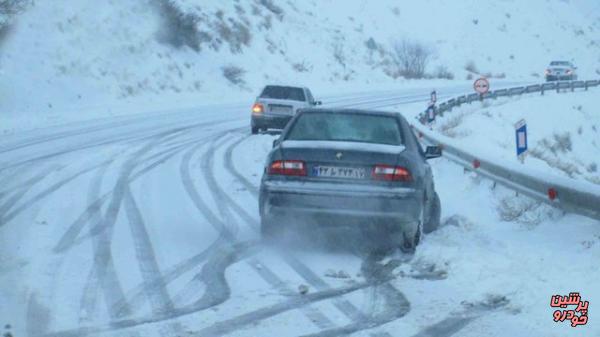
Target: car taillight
point(288, 168)
point(547, 71)
point(391, 173)
point(569, 72)
point(258, 108)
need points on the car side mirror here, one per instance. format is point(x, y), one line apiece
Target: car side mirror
point(275, 142)
point(317, 103)
point(433, 152)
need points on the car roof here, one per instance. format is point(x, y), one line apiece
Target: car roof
point(350, 111)
point(285, 86)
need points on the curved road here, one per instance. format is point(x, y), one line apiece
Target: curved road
point(148, 226)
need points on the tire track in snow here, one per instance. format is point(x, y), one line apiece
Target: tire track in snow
point(41, 174)
point(457, 321)
point(226, 234)
point(102, 275)
point(298, 301)
point(136, 295)
point(217, 264)
point(6, 218)
point(70, 238)
point(156, 289)
point(395, 304)
point(22, 189)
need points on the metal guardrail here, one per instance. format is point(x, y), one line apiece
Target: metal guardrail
point(508, 92)
point(570, 195)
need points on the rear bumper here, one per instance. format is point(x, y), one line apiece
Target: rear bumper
point(559, 78)
point(340, 204)
point(270, 121)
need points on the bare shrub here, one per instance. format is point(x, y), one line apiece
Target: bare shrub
point(338, 53)
point(273, 8)
point(443, 72)
point(267, 22)
point(234, 74)
point(371, 44)
point(559, 144)
point(236, 35)
point(471, 67)
point(13, 7)
point(8, 10)
point(519, 209)
point(449, 127)
point(470, 76)
point(302, 67)
point(411, 58)
point(179, 29)
point(592, 168)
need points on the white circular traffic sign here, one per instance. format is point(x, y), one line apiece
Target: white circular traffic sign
point(481, 85)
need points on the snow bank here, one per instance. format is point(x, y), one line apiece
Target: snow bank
point(563, 131)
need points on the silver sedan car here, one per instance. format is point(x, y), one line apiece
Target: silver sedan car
point(561, 71)
point(277, 104)
point(350, 168)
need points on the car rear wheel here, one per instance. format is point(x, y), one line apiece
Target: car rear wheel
point(432, 221)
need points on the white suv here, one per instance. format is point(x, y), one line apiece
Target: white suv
point(277, 104)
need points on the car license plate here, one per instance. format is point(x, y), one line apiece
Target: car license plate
point(339, 172)
point(281, 109)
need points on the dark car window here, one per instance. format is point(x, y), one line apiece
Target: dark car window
point(346, 127)
point(279, 92)
point(560, 63)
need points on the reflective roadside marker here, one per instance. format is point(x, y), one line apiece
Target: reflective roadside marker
point(476, 163)
point(552, 194)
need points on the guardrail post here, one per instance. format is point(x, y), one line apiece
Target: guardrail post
point(542, 91)
point(585, 85)
point(572, 86)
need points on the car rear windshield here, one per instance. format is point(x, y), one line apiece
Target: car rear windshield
point(560, 63)
point(277, 92)
point(349, 127)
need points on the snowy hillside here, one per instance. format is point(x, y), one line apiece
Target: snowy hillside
point(75, 60)
point(563, 131)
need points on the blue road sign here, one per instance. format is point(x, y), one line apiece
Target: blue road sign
point(521, 137)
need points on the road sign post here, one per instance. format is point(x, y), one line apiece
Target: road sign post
point(521, 139)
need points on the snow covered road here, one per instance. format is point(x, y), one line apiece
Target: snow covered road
point(148, 226)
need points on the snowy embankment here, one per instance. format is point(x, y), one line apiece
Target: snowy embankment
point(88, 59)
point(563, 131)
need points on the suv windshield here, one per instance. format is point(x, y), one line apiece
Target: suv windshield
point(277, 92)
point(346, 127)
